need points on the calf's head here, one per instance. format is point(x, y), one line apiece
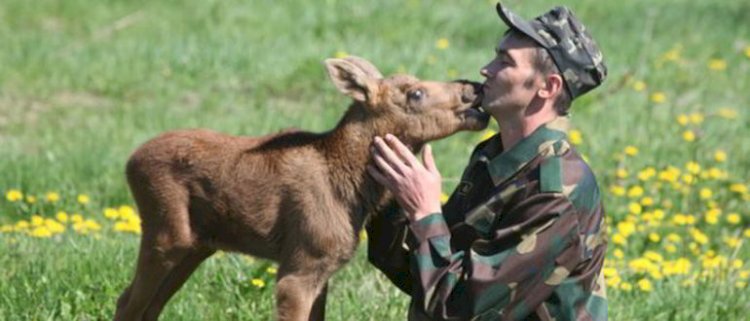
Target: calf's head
point(416, 111)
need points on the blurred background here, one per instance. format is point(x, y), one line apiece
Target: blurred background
point(83, 83)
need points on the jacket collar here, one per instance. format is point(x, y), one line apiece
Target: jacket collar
point(541, 142)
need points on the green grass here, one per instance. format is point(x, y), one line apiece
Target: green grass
point(83, 83)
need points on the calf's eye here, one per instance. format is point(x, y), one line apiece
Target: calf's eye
point(415, 95)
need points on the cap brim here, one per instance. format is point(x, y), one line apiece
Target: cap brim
point(516, 22)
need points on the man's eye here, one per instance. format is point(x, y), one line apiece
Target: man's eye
point(415, 95)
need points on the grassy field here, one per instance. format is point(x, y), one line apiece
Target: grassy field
point(83, 83)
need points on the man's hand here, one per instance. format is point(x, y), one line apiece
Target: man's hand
point(416, 187)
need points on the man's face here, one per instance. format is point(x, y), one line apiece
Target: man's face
point(511, 81)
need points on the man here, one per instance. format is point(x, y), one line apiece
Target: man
point(523, 236)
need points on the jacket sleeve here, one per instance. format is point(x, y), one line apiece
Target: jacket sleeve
point(504, 276)
point(386, 248)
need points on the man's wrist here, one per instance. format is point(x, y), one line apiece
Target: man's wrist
point(420, 214)
point(429, 226)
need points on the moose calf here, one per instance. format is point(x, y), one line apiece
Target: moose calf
point(297, 198)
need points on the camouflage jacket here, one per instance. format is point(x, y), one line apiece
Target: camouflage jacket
point(521, 238)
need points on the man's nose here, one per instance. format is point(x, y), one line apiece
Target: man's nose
point(486, 71)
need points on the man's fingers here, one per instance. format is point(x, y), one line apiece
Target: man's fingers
point(384, 166)
point(389, 155)
point(401, 150)
point(429, 161)
point(377, 175)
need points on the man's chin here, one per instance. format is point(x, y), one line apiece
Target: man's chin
point(478, 121)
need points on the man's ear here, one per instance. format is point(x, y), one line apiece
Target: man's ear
point(553, 86)
point(350, 79)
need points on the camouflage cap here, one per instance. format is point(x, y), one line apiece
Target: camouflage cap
point(572, 49)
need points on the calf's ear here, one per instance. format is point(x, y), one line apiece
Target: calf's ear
point(351, 79)
point(366, 66)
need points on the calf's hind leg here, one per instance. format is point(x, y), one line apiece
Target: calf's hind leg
point(301, 292)
point(166, 240)
point(174, 281)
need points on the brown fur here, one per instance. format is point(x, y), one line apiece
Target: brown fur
point(297, 198)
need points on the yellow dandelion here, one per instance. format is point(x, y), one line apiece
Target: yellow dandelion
point(626, 286)
point(740, 284)
point(712, 219)
point(41, 232)
point(738, 188)
point(693, 167)
point(647, 201)
point(37, 220)
point(673, 237)
point(631, 150)
point(62, 216)
point(111, 213)
point(575, 137)
point(341, 54)
point(626, 228)
point(696, 118)
point(618, 253)
point(716, 173)
point(737, 264)
point(613, 281)
point(647, 173)
point(732, 242)
point(727, 113)
point(658, 97)
point(272, 270)
point(52, 197)
point(720, 156)
point(688, 136)
point(444, 198)
point(746, 233)
point(639, 86)
point(487, 134)
point(619, 239)
point(30, 199)
point(126, 212)
point(76, 218)
point(717, 64)
point(22, 225)
point(617, 190)
point(705, 193)
point(635, 208)
point(635, 191)
point(670, 248)
point(54, 226)
point(683, 119)
point(654, 237)
point(609, 272)
point(258, 283)
point(622, 173)
point(442, 43)
point(734, 218)
point(699, 236)
point(83, 199)
point(13, 195)
point(673, 54)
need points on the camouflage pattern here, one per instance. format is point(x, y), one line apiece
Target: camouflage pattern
point(521, 238)
point(571, 47)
